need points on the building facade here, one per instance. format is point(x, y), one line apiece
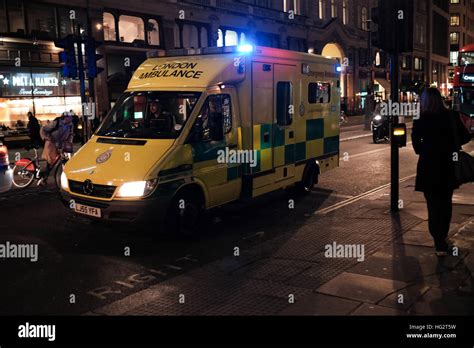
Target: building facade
point(461, 32)
point(30, 66)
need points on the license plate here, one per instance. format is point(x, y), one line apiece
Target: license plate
point(87, 210)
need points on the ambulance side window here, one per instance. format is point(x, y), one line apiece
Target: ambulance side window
point(215, 119)
point(284, 103)
point(319, 93)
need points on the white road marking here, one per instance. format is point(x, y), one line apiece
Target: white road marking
point(359, 197)
point(370, 152)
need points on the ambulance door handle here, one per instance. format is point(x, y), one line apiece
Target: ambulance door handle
point(266, 137)
point(291, 134)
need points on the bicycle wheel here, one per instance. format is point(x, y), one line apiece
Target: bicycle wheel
point(23, 175)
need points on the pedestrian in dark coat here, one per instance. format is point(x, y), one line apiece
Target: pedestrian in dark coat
point(34, 130)
point(434, 141)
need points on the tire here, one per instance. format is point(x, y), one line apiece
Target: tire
point(57, 175)
point(309, 179)
point(25, 178)
point(184, 214)
point(374, 137)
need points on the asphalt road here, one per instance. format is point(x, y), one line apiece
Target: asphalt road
point(83, 265)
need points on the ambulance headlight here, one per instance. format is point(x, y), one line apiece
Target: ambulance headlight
point(136, 189)
point(378, 118)
point(64, 182)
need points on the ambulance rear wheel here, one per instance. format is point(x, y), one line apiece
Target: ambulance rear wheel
point(310, 178)
point(184, 214)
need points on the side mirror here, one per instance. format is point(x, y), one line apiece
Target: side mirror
point(217, 127)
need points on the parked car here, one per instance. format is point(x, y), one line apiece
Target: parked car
point(6, 173)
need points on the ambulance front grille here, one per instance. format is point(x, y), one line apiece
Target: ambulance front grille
point(99, 191)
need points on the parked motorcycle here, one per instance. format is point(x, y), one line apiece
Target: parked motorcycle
point(380, 127)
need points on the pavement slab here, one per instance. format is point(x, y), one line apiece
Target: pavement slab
point(321, 304)
point(361, 287)
point(443, 302)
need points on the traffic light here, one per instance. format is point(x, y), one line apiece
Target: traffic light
point(92, 57)
point(68, 56)
point(394, 19)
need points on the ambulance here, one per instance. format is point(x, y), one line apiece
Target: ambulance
point(200, 128)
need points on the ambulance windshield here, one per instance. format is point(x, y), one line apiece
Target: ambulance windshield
point(149, 115)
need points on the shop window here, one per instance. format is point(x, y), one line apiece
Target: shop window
point(15, 16)
point(284, 103)
point(153, 32)
point(41, 20)
point(109, 27)
point(204, 37)
point(319, 93)
point(131, 29)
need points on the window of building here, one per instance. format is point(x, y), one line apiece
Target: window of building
point(15, 16)
point(131, 29)
point(345, 12)
point(190, 36)
point(153, 32)
point(454, 38)
point(363, 18)
point(333, 9)
point(418, 63)
point(284, 101)
point(322, 9)
point(404, 62)
point(231, 38)
point(378, 59)
point(453, 57)
point(109, 27)
point(454, 1)
point(41, 20)
point(291, 5)
point(204, 37)
point(3, 17)
point(455, 20)
point(319, 93)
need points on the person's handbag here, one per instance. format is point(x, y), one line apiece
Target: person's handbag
point(464, 166)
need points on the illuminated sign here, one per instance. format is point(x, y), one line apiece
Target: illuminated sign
point(36, 84)
point(467, 78)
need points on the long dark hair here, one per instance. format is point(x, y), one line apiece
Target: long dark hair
point(432, 101)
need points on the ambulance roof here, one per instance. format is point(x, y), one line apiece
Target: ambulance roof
point(201, 68)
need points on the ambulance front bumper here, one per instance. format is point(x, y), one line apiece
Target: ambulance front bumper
point(153, 208)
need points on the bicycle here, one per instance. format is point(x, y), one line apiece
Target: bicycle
point(27, 170)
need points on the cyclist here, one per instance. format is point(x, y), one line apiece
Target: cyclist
point(57, 135)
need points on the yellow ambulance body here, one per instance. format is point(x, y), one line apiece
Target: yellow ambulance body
point(197, 129)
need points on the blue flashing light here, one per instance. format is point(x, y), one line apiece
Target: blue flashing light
point(338, 68)
point(245, 48)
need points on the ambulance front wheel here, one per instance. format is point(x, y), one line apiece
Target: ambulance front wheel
point(184, 213)
point(310, 178)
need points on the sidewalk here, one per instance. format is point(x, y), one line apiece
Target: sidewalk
point(290, 274)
